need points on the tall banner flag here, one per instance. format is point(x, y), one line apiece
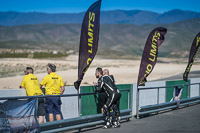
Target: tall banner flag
point(150, 53)
point(193, 52)
point(89, 40)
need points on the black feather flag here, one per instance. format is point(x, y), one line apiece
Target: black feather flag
point(88, 40)
point(150, 53)
point(193, 51)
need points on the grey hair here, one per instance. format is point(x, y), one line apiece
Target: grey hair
point(52, 67)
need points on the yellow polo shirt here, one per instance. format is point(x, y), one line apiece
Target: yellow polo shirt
point(31, 83)
point(52, 83)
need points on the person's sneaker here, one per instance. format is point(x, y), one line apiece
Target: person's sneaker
point(108, 125)
point(116, 124)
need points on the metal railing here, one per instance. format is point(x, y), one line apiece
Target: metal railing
point(163, 106)
point(79, 122)
point(74, 123)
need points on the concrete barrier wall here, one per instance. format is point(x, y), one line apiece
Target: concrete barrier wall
point(12, 92)
point(69, 105)
point(195, 89)
point(148, 97)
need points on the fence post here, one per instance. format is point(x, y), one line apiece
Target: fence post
point(188, 90)
point(199, 89)
point(158, 96)
point(137, 103)
point(79, 105)
point(79, 102)
point(36, 106)
point(128, 100)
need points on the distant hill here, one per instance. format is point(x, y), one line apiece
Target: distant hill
point(137, 17)
point(115, 39)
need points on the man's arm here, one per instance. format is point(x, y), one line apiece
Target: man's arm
point(99, 86)
point(113, 78)
point(62, 90)
point(44, 81)
point(95, 83)
point(22, 84)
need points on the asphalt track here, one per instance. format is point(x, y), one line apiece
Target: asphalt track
point(183, 120)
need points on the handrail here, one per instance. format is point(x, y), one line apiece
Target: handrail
point(43, 96)
point(157, 87)
point(168, 105)
point(79, 122)
point(147, 88)
point(73, 123)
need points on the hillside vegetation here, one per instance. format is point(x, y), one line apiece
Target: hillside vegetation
point(115, 39)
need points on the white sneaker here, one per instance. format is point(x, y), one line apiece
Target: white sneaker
point(108, 125)
point(116, 124)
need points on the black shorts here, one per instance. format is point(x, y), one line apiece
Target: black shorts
point(102, 98)
point(41, 110)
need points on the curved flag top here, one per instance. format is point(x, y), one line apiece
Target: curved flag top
point(193, 52)
point(88, 40)
point(149, 57)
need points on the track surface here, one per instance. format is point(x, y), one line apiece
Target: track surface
point(184, 120)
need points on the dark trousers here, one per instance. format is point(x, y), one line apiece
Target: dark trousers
point(113, 102)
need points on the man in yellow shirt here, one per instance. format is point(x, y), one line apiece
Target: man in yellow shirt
point(31, 83)
point(53, 86)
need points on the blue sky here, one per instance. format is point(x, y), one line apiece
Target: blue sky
point(60, 6)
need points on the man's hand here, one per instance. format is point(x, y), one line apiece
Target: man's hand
point(95, 83)
point(62, 89)
point(21, 87)
point(96, 91)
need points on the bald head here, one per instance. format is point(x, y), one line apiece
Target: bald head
point(105, 72)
